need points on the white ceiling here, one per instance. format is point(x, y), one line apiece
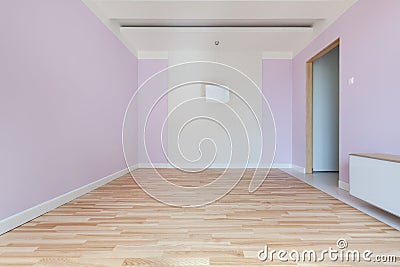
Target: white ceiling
point(274, 27)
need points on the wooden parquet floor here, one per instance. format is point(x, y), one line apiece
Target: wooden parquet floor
point(119, 225)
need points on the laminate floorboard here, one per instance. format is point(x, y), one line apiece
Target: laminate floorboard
point(120, 225)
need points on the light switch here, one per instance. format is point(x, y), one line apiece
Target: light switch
point(351, 81)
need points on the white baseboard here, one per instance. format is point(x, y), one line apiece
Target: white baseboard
point(282, 166)
point(214, 166)
point(22, 217)
point(154, 165)
point(298, 168)
point(343, 185)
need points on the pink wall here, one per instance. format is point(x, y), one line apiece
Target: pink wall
point(369, 109)
point(277, 88)
point(65, 83)
point(148, 96)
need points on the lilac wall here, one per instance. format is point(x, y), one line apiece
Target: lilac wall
point(65, 83)
point(369, 109)
point(277, 88)
point(148, 96)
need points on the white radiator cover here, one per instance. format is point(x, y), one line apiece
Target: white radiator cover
point(376, 182)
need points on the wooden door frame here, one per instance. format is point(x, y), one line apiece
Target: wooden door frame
point(309, 103)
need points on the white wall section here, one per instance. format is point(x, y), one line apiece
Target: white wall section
point(232, 126)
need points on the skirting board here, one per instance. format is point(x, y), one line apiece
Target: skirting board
point(298, 168)
point(214, 166)
point(22, 217)
point(343, 185)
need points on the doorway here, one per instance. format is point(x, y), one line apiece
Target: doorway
point(322, 136)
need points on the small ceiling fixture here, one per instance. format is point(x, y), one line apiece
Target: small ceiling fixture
point(216, 42)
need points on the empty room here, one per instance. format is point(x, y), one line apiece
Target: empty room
point(199, 133)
